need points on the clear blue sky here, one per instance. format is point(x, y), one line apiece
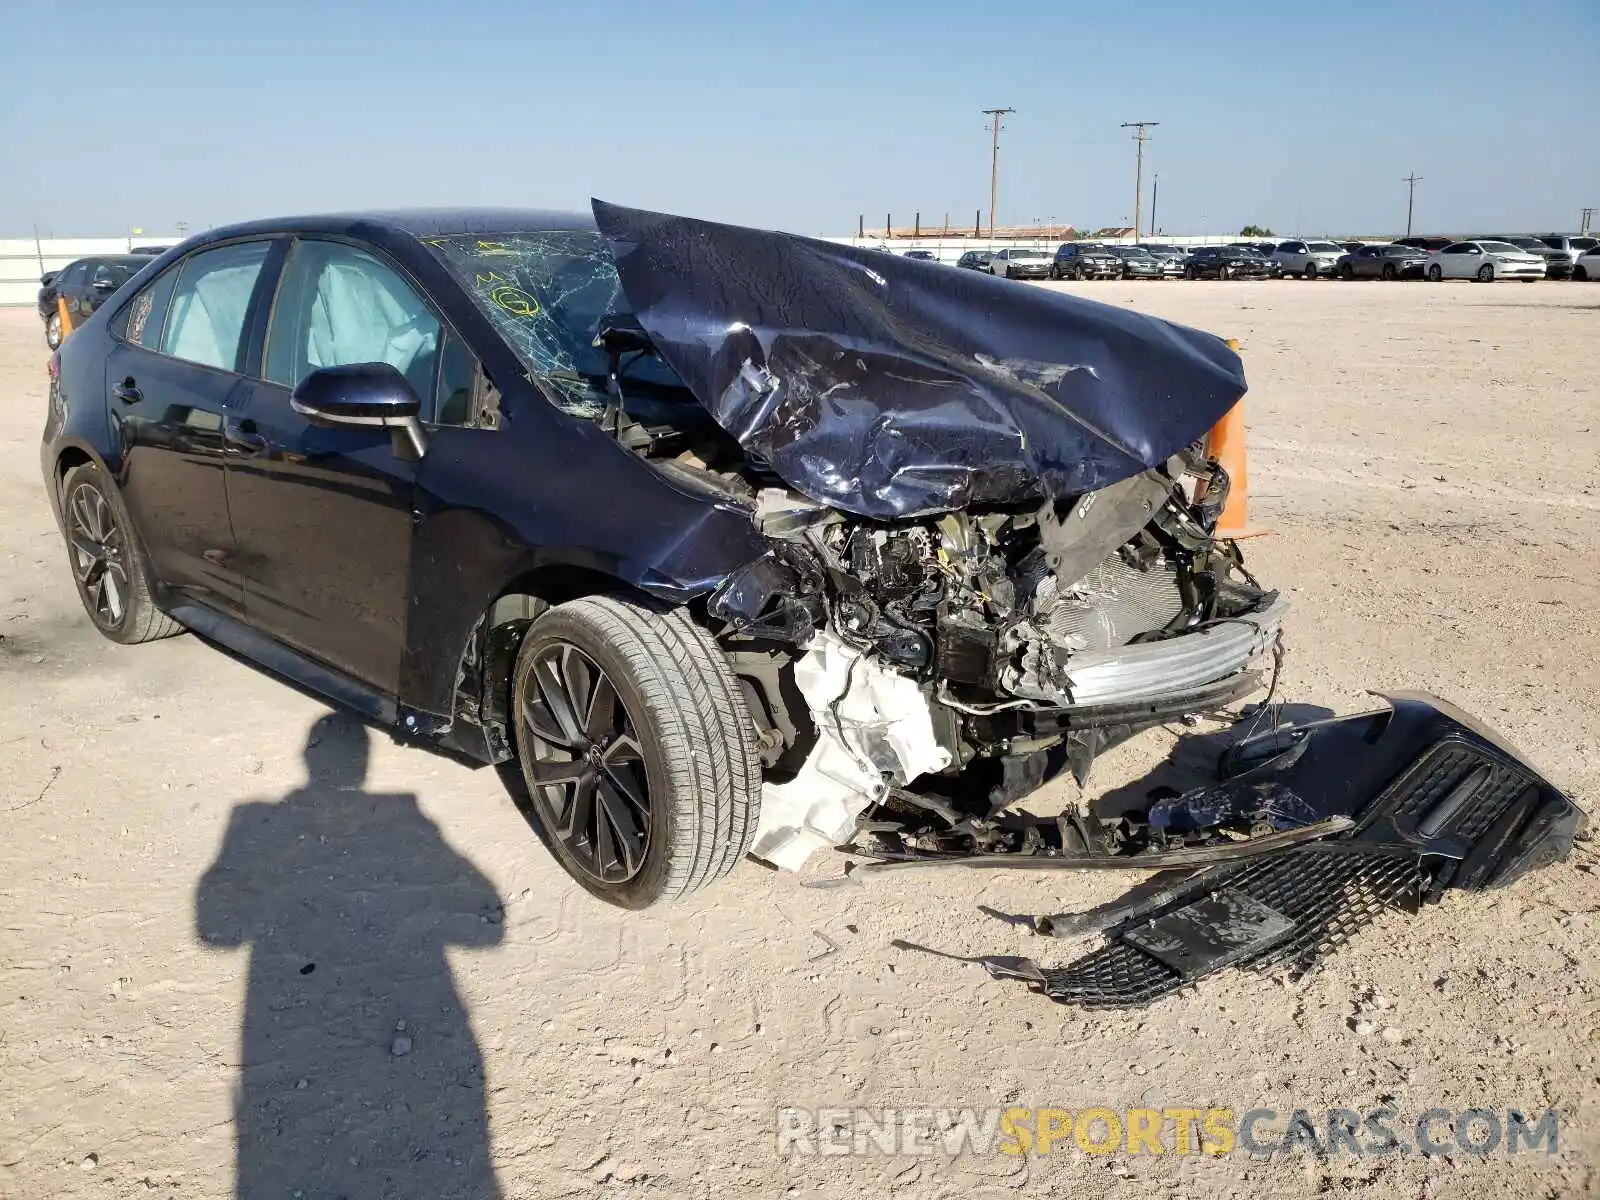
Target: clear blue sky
point(801, 115)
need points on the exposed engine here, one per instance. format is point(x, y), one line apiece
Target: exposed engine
point(1037, 634)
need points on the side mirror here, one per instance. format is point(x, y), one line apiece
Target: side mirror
point(369, 394)
point(103, 285)
point(46, 278)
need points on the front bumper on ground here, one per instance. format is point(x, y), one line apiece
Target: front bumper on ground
point(1438, 801)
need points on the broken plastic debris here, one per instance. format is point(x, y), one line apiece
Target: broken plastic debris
point(873, 729)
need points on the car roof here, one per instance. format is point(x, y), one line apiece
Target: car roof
point(131, 259)
point(417, 222)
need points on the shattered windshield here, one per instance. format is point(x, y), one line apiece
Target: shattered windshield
point(547, 293)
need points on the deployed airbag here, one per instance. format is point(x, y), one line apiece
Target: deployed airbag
point(889, 388)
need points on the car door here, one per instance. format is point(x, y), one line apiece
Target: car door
point(176, 358)
point(1459, 260)
point(69, 292)
point(323, 515)
point(1368, 262)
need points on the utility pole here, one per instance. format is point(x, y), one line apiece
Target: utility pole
point(1139, 136)
point(1155, 190)
point(994, 114)
point(1411, 182)
point(1584, 217)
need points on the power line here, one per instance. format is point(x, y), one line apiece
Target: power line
point(994, 161)
point(1139, 136)
point(1411, 182)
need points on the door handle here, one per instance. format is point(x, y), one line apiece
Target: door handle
point(127, 391)
point(243, 436)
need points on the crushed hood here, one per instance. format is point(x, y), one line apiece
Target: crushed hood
point(888, 387)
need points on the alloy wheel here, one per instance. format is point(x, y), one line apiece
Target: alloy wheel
point(99, 554)
point(52, 331)
point(584, 763)
point(1486, 274)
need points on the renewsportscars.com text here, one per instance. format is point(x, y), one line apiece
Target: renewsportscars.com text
point(1373, 1133)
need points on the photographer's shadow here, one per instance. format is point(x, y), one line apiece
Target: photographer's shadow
point(359, 1074)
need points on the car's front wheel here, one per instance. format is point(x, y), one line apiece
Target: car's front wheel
point(52, 331)
point(108, 564)
point(1435, 274)
point(1346, 272)
point(636, 749)
point(1581, 274)
point(1311, 271)
point(1486, 274)
point(1389, 272)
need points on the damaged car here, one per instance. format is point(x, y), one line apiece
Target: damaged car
point(715, 540)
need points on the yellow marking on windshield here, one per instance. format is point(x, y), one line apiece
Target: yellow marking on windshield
point(515, 301)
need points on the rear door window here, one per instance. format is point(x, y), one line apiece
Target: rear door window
point(208, 308)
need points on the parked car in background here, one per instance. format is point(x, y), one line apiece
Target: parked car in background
point(1383, 262)
point(1012, 263)
point(1485, 260)
point(1573, 245)
point(152, 251)
point(1557, 263)
point(1169, 258)
point(1137, 262)
point(1085, 260)
point(975, 260)
point(1352, 247)
point(922, 255)
point(1227, 262)
point(1265, 249)
point(1308, 259)
point(1588, 265)
point(1430, 242)
point(80, 288)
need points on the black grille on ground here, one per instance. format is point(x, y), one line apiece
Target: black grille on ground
point(1328, 890)
point(1447, 763)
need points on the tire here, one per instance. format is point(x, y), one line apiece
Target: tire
point(1580, 274)
point(1389, 273)
point(1346, 272)
point(108, 563)
point(692, 759)
point(52, 331)
point(1224, 272)
point(1434, 273)
point(1310, 272)
point(1190, 273)
point(1486, 274)
point(1055, 272)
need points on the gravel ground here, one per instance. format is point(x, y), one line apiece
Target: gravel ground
point(435, 1011)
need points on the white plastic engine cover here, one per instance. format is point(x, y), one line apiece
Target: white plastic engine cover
point(872, 723)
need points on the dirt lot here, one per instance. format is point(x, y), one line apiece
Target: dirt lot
point(1425, 458)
